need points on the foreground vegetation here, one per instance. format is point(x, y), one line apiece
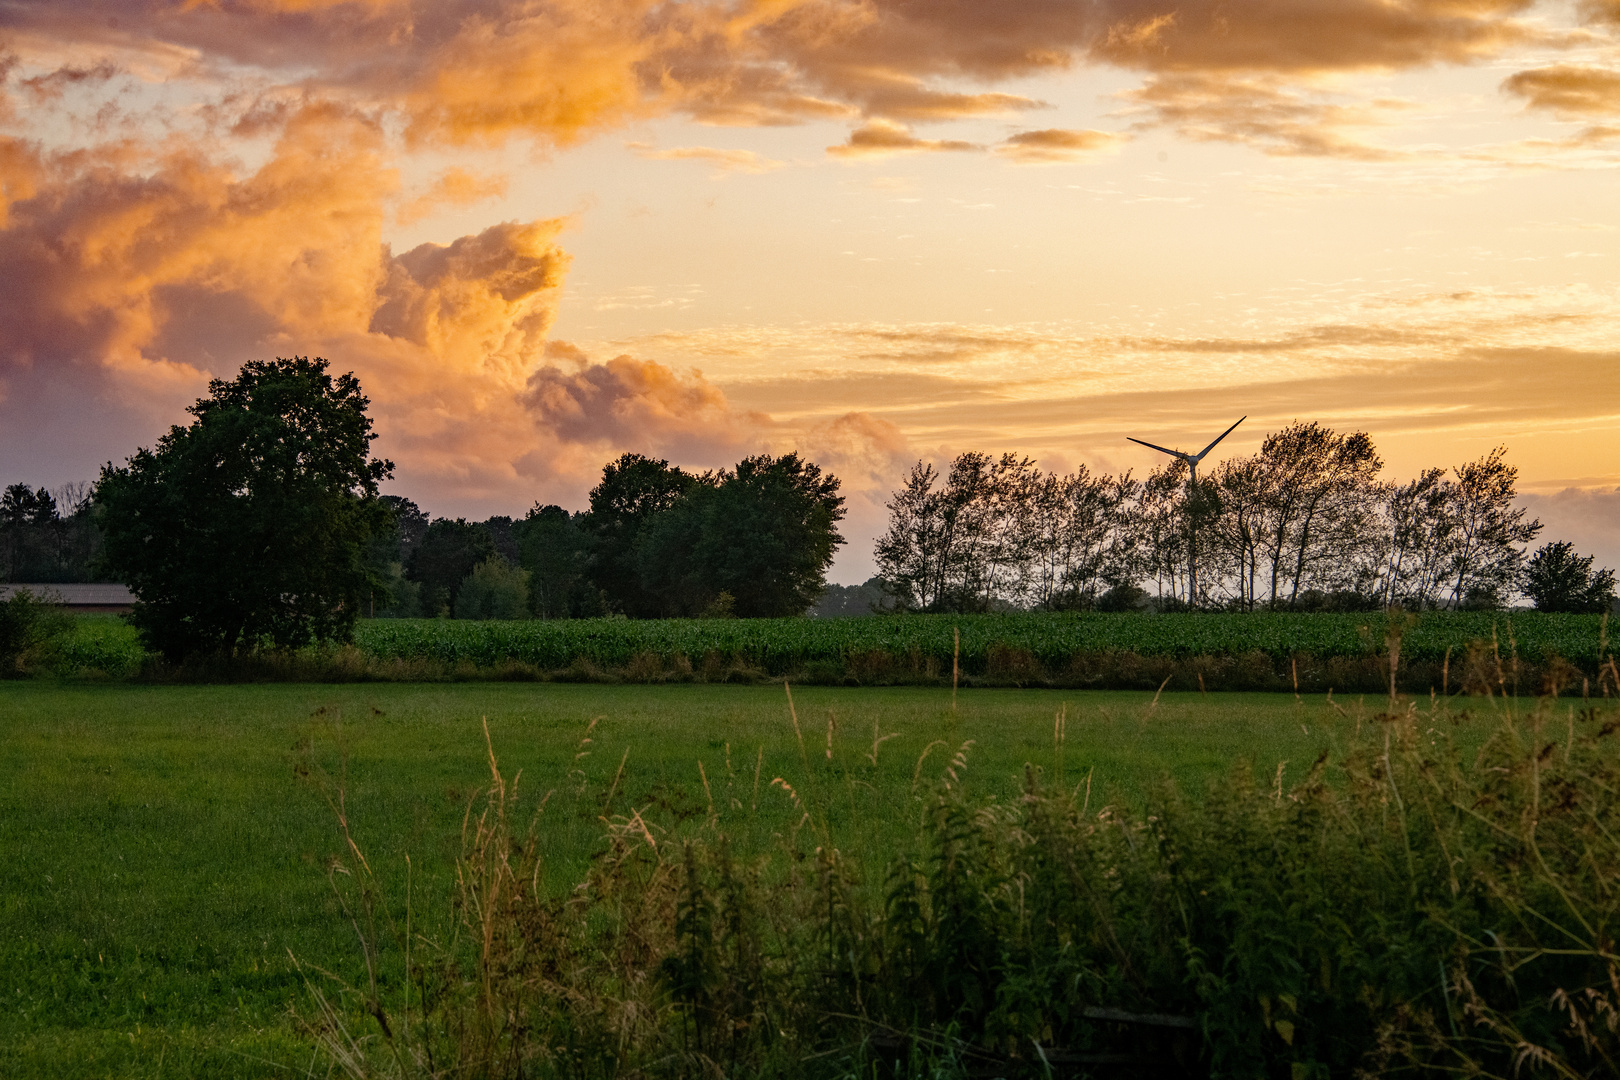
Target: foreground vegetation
point(1411, 905)
point(701, 881)
point(164, 855)
point(1261, 651)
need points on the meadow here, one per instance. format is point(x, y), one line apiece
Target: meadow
point(169, 847)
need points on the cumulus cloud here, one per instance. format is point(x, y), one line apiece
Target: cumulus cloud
point(1054, 145)
point(863, 450)
point(629, 403)
point(128, 290)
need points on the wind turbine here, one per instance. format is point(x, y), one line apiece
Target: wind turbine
point(1192, 461)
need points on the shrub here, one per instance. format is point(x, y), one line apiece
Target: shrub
point(31, 627)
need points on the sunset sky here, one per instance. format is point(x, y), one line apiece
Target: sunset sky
point(544, 233)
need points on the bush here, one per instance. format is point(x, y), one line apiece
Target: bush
point(494, 590)
point(31, 627)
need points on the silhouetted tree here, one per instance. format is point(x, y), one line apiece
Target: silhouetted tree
point(633, 490)
point(555, 549)
point(1487, 533)
point(250, 525)
point(26, 520)
point(763, 534)
point(1558, 579)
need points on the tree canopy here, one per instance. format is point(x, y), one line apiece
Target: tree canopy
point(250, 525)
point(633, 490)
point(762, 535)
point(1305, 524)
point(1558, 579)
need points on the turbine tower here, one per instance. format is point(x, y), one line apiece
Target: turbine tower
point(1192, 461)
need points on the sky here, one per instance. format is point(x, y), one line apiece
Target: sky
point(547, 232)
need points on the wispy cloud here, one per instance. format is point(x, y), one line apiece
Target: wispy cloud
point(743, 161)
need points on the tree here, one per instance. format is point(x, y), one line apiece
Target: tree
point(27, 518)
point(396, 596)
point(1487, 531)
point(554, 548)
point(764, 533)
point(907, 554)
point(1317, 499)
point(1557, 579)
point(1418, 522)
point(446, 554)
point(633, 490)
point(251, 524)
point(494, 590)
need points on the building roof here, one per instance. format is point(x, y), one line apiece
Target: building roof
point(77, 594)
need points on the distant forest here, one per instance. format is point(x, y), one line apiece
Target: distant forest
point(1304, 524)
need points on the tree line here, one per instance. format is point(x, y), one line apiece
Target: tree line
point(1305, 523)
point(261, 523)
point(657, 541)
point(48, 536)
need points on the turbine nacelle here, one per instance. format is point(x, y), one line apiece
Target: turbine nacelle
point(1190, 459)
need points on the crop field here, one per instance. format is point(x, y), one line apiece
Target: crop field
point(1014, 648)
point(167, 848)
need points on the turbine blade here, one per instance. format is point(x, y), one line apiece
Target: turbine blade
point(1200, 455)
point(1160, 449)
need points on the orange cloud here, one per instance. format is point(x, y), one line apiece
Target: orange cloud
point(628, 403)
point(1259, 111)
point(453, 187)
point(1600, 11)
point(1569, 90)
point(1307, 36)
point(882, 138)
point(1052, 145)
point(128, 289)
point(482, 71)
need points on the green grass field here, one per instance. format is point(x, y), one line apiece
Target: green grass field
point(164, 855)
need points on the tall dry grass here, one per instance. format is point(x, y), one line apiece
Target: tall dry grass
point(1438, 896)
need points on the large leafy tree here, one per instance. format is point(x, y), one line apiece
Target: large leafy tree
point(764, 534)
point(1558, 579)
point(634, 490)
point(251, 525)
point(554, 549)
